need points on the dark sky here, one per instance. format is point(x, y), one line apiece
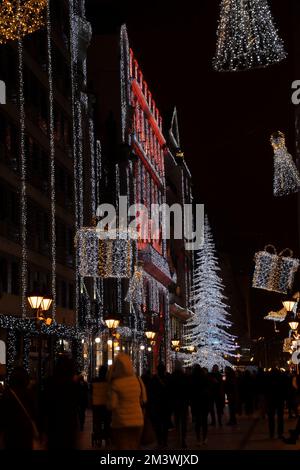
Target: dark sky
point(225, 119)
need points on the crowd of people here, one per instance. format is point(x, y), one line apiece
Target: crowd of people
point(130, 411)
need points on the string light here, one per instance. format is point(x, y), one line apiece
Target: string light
point(286, 175)
point(11, 349)
point(20, 17)
point(246, 36)
point(110, 255)
point(26, 351)
point(23, 192)
point(52, 163)
point(125, 82)
point(208, 328)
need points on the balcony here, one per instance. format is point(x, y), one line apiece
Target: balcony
point(155, 264)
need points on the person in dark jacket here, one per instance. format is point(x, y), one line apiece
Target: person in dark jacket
point(83, 400)
point(200, 391)
point(231, 393)
point(275, 393)
point(158, 405)
point(217, 397)
point(61, 406)
point(17, 412)
point(179, 395)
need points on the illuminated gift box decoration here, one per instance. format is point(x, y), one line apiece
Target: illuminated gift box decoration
point(274, 272)
point(105, 254)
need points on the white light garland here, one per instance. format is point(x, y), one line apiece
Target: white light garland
point(109, 255)
point(125, 82)
point(246, 36)
point(74, 52)
point(52, 163)
point(93, 168)
point(23, 194)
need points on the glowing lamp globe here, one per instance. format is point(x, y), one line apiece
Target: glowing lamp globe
point(35, 301)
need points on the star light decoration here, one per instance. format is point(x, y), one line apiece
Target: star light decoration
point(286, 175)
point(21, 17)
point(246, 37)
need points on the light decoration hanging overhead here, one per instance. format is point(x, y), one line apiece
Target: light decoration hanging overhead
point(105, 254)
point(286, 175)
point(135, 292)
point(21, 17)
point(246, 37)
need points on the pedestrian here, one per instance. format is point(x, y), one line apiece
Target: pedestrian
point(17, 419)
point(101, 413)
point(179, 395)
point(200, 391)
point(127, 396)
point(83, 400)
point(61, 406)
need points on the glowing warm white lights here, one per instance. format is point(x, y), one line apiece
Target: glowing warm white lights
point(97, 340)
point(112, 323)
point(142, 347)
point(35, 301)
point(150, 334)
point(20, 17)
point(246, 36)
point(289, 305)
point(293, 325)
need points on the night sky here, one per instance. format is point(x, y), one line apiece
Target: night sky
point(225, 122)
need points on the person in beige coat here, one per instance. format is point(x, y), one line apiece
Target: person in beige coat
point(126, 396)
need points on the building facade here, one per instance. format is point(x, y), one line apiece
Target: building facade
point(179, 193)
point(134, 149)
point(47, 159)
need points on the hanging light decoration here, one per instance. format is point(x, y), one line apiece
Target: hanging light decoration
point(135, 292)
point(286, 175)
point(20, 17)
point(247, 37)
point(105, 254)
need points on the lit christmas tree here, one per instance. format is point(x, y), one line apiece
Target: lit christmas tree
point(246, 36)
point(207, 329)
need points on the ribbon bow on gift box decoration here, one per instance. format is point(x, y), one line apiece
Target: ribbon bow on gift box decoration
point(274, 272)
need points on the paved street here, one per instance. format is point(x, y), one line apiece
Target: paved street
point(249, 434)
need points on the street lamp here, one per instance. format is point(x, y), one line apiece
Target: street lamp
point(289, 305)
point(111, 323)
point(40, 304)
point(150, 334)
point(292, 321)
point(175, 342)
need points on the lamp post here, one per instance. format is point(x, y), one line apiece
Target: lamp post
point(40, 304)
point(112, 324)
point(175, 343)
point(150, 335)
